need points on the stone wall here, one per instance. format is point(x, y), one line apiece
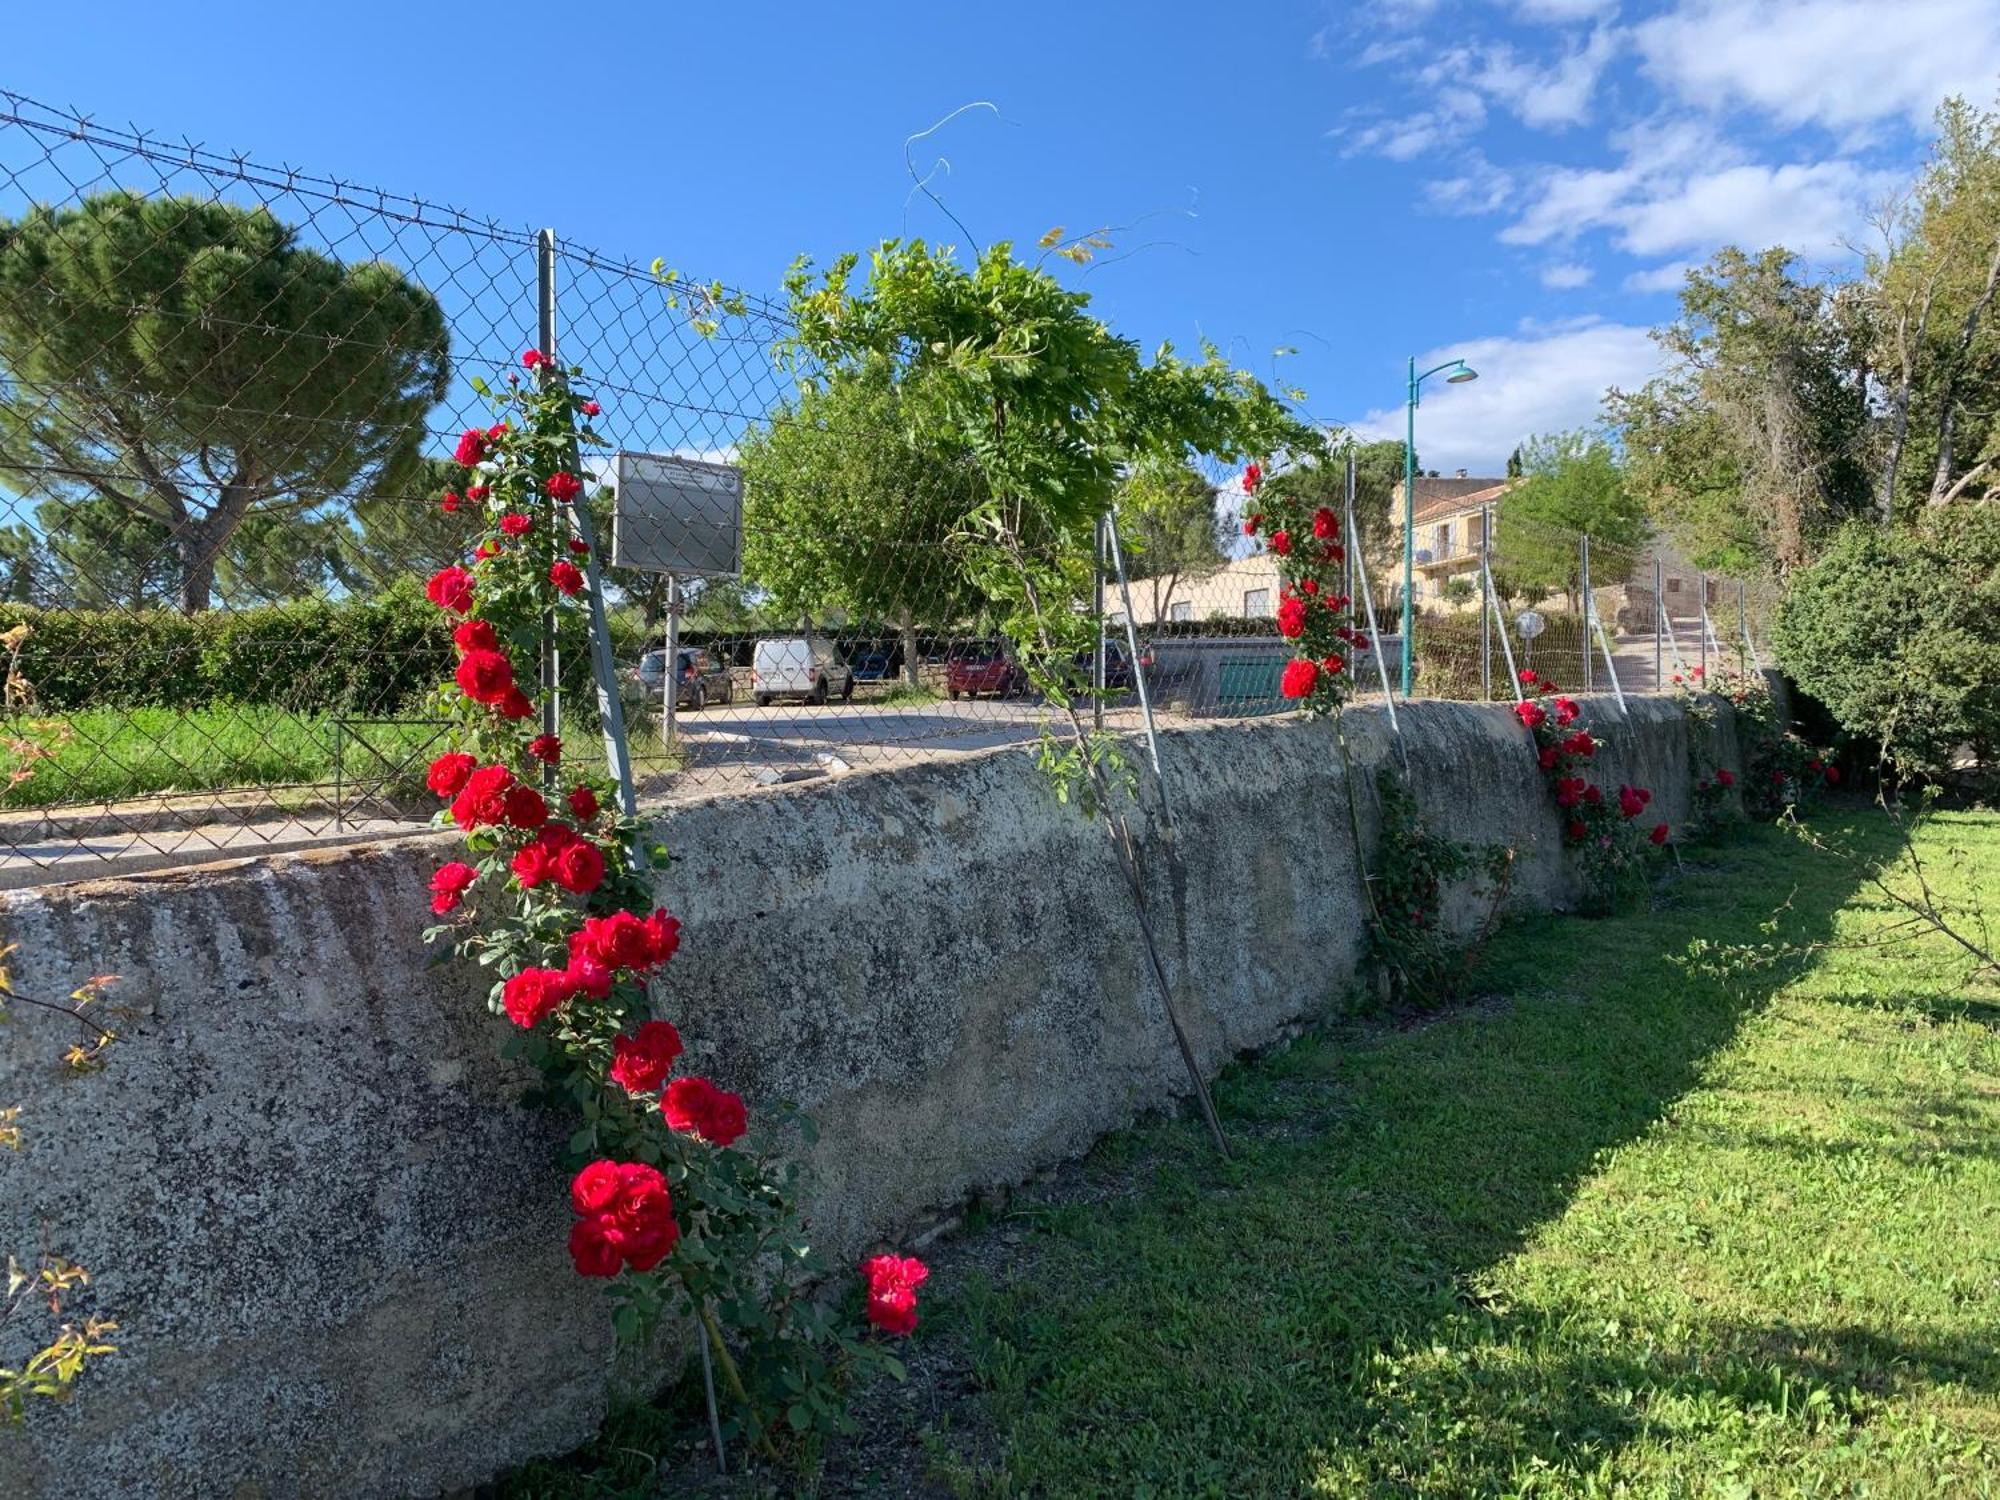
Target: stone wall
point(332, 1234)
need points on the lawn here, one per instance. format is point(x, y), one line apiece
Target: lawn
point(1614, 1230)
point(1609, 1227)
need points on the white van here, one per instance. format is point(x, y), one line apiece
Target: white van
point(799, 667)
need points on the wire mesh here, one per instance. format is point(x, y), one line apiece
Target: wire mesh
point(229, 397)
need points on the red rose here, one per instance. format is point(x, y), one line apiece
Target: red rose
point(533, 995)
point(475, 635)
point(1581, 744)
point(450, 772)
point(583, 804)
point(1291, 617)
point(1251, 523)
point(1576, 829)
point(1253, 475)
point(1593, 794)
point(565, 576)
point(450, 503)
point(476, 493)
point(1569, 791)
point(483, 799)
point(546, 748)
point(640, 1064)
point(1333, 666)
point(892, 1282)
point(471, 447)
point(618, 941)
point(1548, 757)
point(1725, 777)
point(1630, 803)
point(579, 867)
point(595, 1188)
point(663, 935)
point(1309, 585)
point(531, 864)
point(1833, 775)
point(449, 885)
point(563, 486)
point(525, 808)
point(579, 547)
point(533, 358)
point(1300, 678)
point(1566, 711)
point(1659, 833)
point(1326, 525)
point(1528, 676)
point(1281, 542)
point(514, 704)
point(516, 524)
point(486, 550)
point(591, 408)
point(1530, 713)
point(595, 1247)
point(450, 589)
point(485, 676)
point(591, 978)
point(699, 1107)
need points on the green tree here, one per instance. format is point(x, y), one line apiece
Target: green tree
point(1755, 443)
point(1167, 522)
point(853, 503)
point(400, 528)
point(1571, 485)
point(191, 363)
point(1929, 304)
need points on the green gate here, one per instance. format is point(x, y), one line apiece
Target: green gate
point(1248, 685)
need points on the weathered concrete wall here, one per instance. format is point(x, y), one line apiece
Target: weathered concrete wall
point(332, 1234)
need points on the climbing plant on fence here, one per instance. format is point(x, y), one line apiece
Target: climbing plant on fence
point(677, 1201)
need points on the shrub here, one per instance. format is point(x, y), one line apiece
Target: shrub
point(368, 657)
point(1448, 649)
point(1898, 634)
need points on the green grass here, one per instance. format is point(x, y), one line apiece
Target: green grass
point(1619, 1231)
point(110, 755)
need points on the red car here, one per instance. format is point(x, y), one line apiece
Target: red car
point(983, 670)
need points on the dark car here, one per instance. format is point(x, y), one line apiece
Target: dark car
point(702, 679)
point(870, 666)
point(1117, 667)
point(973, 670)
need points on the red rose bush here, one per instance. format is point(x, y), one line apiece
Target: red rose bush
point(676, 1203)
point(1314, 616)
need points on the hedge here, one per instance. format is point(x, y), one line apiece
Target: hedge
point(370, 657)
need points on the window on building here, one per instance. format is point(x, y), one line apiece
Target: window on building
point(1443, 548)
point(1256, 604)
point(1475, 533)
point(1182, 611)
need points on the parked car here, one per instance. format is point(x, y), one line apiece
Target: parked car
point(702, 679)
point(799, 667)
point(871, 666)
point(1117, 666)
point(973, 670)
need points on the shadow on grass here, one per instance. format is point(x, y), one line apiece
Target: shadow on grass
point(1311, 1317)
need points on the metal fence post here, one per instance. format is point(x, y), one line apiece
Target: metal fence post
point(1701, 598)
point(1485, 619)
point(1098, 676)
point(545, 299)
point(1659, 607)
point(1583, 578)
point(670, 709)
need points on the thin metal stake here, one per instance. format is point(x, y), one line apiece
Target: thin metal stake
point(1659, 609)
point(1743, 623)
point(714, 1416)
point(1485, 620)
point(551, 674)
point(1360, 559)
point(1132, 646)
point(1702, 599)
point(1098, 675)
point(670, 708)
point(1506, 645)
point(1583, 576)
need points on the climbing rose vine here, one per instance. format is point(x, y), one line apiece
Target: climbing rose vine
point(1609, 829)
point(1314, 616)
point(677, 1202)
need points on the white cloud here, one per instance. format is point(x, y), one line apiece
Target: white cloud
point(1479, 188)
point(1545, 94)
point(1542, 380)
point(1455, 116)
point(1667, 278)
point(1835, 63)
point(1566, 276)
point(1560, 11)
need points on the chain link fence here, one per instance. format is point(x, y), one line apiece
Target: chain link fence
point(229, 399)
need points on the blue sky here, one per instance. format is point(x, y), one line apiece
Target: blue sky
point(1515, 181)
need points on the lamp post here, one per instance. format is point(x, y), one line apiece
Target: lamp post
point(1460, 373)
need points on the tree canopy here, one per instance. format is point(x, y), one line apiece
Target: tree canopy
point(175, 367)
point(1571, 484)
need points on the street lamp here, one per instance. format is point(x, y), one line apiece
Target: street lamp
point(1460, 373)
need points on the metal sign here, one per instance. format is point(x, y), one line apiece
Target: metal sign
point(677, 515)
